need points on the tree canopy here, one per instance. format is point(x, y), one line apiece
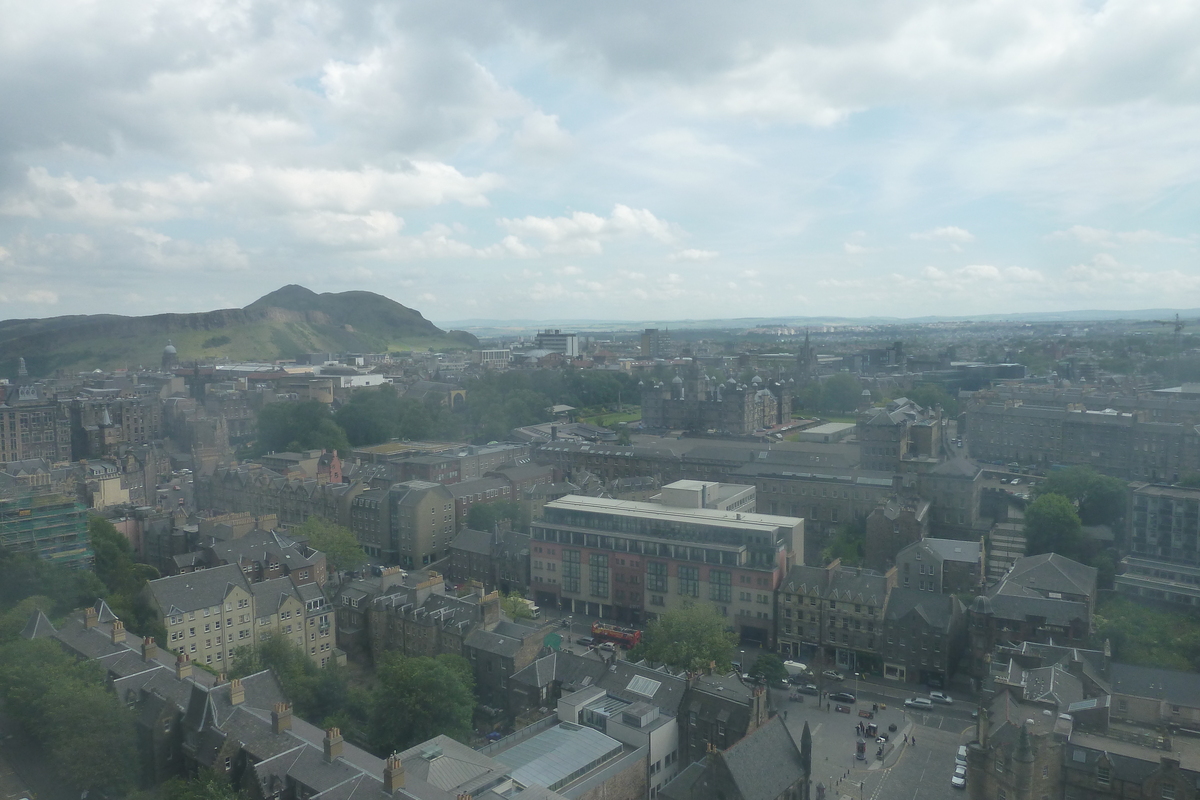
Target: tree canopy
point(124, 578)
point(1148, 637)
point(690, 637)
point(321, 694)
point(418, 698)
point(840, 393)
point(306, 425)
point(1052, 526)
point(338, 543)
point(515, 606)
point(1101, 498)
point(485, 516)
point(769, 667)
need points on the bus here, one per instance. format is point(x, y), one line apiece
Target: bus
point(626, 637)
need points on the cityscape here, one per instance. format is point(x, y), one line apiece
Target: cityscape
point(535, 401)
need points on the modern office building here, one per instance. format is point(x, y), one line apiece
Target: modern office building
point(1164, 545)
point(630, 561)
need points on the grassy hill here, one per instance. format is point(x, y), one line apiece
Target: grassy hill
point(281, 325)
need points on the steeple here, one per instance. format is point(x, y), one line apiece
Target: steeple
point(806, 761)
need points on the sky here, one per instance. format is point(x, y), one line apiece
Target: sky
point(529, 159)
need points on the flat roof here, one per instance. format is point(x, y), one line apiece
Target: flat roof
point(705, 516)
point(558, 756)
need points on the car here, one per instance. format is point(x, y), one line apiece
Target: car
point(918, 702)
point(960, 758)
point(833, 675)
point(842, 697)
point(808, 688)
point(941, 697)
point(609, 646)
point(586, 641)
point(959, 781)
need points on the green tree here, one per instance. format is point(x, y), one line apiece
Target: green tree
point(305, 425)
point(1101, 498)
point(485, 516)
point(1147, 636)
point(848, 543)
point(418, 698)
point(338, 543)
point(1190, 480)
point(770, 668)
point(841, 393)
point(124, 578)
point(64, 704)
point(515, 606)
point(1053, 526)
point(208, 785)
point(23, 575)
point(930, 395)
point(690, 637)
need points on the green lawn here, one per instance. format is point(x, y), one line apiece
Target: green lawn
point(611, 418)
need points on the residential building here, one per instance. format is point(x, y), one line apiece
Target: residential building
point(656, 343)
point(947, 566)
point(497, 560)
point(900, 436)
point(834, 614)
point(33, 426)
point(1163, 563)
point(629, 560)
point(925, 636)
point(893, 526)
point(411, 524)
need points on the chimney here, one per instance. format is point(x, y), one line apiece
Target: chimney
point(149, 649)
point(118, 631)
point(464, 796)
point(221, 678)
point(237, 694)
point(281, 718)
point(393, 774)
point(90, 618)
point(183, 666)
point(333, 744)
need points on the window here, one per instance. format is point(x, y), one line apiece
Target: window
point(1168, 791)
point(657, 600)
point(1103, 775)
point(571, 571)
point(598, 574)
point(656, 576)
point(689, 581)
point(719, 586)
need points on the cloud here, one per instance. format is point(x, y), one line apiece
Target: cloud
point(584, 232)
point(541, 135)
point(949, 233)
point(853, 249)
point(1099, 237)
point(692, 254)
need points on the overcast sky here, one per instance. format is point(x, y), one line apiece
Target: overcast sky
point(623, 160)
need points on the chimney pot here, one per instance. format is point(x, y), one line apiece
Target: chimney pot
point(333, 744)
point(149, 649)
point(281, 718)
point(90, 618)
point(393, 774)
point(183, 666)
point(237, 693)
point(118, 631)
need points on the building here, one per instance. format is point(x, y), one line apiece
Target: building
point(496, 560)
point(1163, 563)
point(700, 403)
point(925, 636)
point(410, 524)
point(34, 427)
point(557, 341)
point(46, 524)
point(768, 764)
point(899, 436)
point(492, 359)
point(893, 526)
point(947, 566)
point(656, 343)
point(629, 560)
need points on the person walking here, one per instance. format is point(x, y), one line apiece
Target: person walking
point(906, 738)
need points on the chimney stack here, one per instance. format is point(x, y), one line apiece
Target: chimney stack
point(333, 744)
point(221, 678)
point(237, 694)
point(90, 618)
point(118, 631)
point(393, 774)
point(183, 666)
point(149, 649)
point(281, 718)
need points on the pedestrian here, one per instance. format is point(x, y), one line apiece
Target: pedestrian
point(906, 738)
point(827, 707)
point(914, 741)
point(785, 715)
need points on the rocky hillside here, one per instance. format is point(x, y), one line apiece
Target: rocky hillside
point(282, 324)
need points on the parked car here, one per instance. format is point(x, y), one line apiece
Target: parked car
point(941, 697)
point(808, 688)
point(842, 697)
point(609, 646)
point(834, 675)
point(959, 781)
point(918, 702)
point(960, 758)
point(586, 641)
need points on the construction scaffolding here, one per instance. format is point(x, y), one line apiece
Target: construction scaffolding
point(45, 523)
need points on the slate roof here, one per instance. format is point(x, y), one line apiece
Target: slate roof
point(196, 590)
point(1055, 612)
point(804, 580)
point(38, 626)
point(935, 610)
point(857, 585)
point(505, 646)
point(765, 763)
point(473, 541)
point(1175, 687)
point(954, 550)
point(269, 595)
point(1050, 572)
point(264, 547)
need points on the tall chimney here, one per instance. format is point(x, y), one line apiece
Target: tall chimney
point(90, 618)
point(149, 649)
point(183, 666)
point(333, 744)
point(281, 718)
point(393, 774)
point(118, 631)
point(237, 694)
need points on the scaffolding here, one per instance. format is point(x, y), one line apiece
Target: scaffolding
point(46, 524)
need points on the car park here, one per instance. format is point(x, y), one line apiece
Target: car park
point(941, 697)
point(833, 675)
point(842, 697)
point(918, 702)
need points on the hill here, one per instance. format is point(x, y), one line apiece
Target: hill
point(281, 325)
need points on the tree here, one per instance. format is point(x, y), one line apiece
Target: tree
point(1053, 526)
point(339, 544)
point(1190, 480)
point(848, 543)
point(841, 392)
point(689, 638)
point(1101, 498)
point(485, 516)
point(515, 606)
point(124, 578)
point(770, 668)
point(418, 698)
point(931, 395)
point(305, 425)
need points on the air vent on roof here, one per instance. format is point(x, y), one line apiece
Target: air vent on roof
point(430, 753)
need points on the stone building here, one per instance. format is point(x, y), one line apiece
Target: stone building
point(924, 637)
point(899, 523)
point(947, 566)
point(699, 403)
